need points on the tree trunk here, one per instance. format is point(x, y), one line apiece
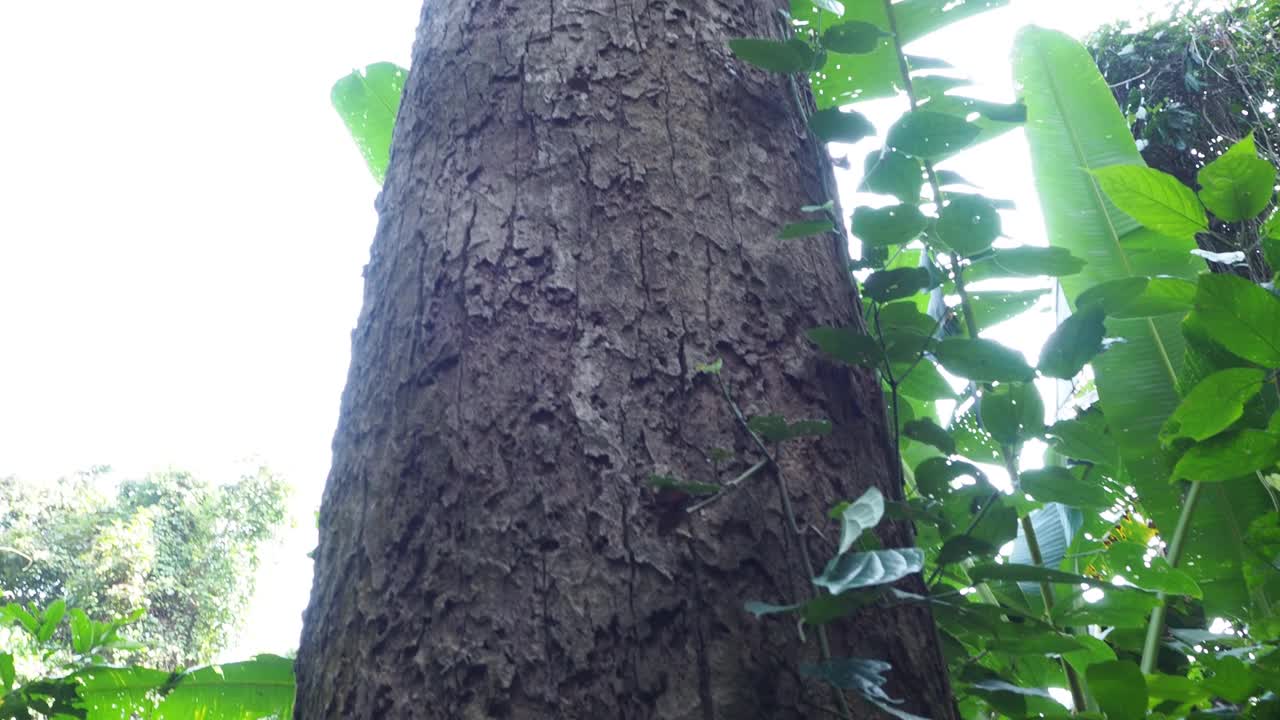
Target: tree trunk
point(581, 208)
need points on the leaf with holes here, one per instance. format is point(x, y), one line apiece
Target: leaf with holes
point(928, 135)
point(853, 38)
point(368, 100)
point(1012, 412)
point(1025, 262)
point(889, 172)
point(930, 433)
point(1149, 573)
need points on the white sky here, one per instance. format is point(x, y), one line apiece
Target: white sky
point(184, 219)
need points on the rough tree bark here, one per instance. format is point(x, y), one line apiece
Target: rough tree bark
point(580, 208)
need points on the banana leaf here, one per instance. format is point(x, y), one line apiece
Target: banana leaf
point(1073, 127)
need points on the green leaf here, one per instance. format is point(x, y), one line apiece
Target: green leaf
point(1176, 688)
point(969, 224)
point(1117, 608)
point(1271, 243)
point(1026, 573)
point(886, 285)
point(865, 569)
point(963, 547)
point(846, 78)
point(50, 619)
point(1241, 317)
point(368, 100)
point(902, 316)
point(1076, 341)
point(1042, 643)
point(775, 428)
point(1155, 199)
point(1025, 262)
point(1057, 484)
point(835, 125)
point(1086, 437)
point(790, 56)
point(930, 433)
point(859, 516)
point(983, 360)
point(863, 676)
point(929, 135)
point(1228, 456)
point(1238, 185)
point(1154, 574)
point(825, 608)
point(924, 382)
point(889, 172)
point(893, 225)
point(847, 345)
point(262, 687)
point(993, 307)
point(81, 631)
point(1012, 413)
point(805, 229)
point(760, 609)
point(1213, 404)
point(1073, 127)
point(853, 38)
point(934, 475)
point(1120, 689)
point(667, 482)
point(1160, 296)
point(7, 673)
point(711, 368)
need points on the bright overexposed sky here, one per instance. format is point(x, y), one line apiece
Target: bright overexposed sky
point(184, 219)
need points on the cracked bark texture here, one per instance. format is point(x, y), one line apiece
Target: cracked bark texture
point(580, 208)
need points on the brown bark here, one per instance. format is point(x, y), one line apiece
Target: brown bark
point(580, 208)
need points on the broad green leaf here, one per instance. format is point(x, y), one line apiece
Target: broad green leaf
point(962, 547)
point(902, 316)
point(1057, 484)
point(847, 345)
point(983, 360)
point(1117, 608)
point(903, 347)
point(929, 135)
point(972, 440)
point(1026, 573)
point(805, 229)
point(1095, 651)
point(7, 672)
point(1213, 404)
point(1076, 341)
point(893, 225)
point(1074, 127)
point(853, 38)
point(859, 516)
point(1025, 262)
point(262, 687)
point(81, 631)
point(1043, 643)
point(50, 619)
point(1120, 689)
point(1155, 199)
point(999, 525)
point(895, 284)
point(775, 428)
point(1012, 412)
point(1086, 437)
point(1160, 296)
point(1238, 185)
point(992, 307)
point(969, 224)
point(924, 382)
point(1177, 688)
point(846, 78)
point(927, 431)
point(865, 569)
point(368, 100)
point(834, 125)
point(1113, 294)
point(1129, 560)
point(1241, 317)
point(1228, 456)
point(789, 56)
point(889, 172)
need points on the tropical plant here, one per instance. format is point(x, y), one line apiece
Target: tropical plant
point(179, 547)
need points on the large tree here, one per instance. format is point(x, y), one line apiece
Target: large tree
point(581, 208)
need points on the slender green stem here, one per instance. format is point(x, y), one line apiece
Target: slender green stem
point(1078, 698)
point(1155, 629)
